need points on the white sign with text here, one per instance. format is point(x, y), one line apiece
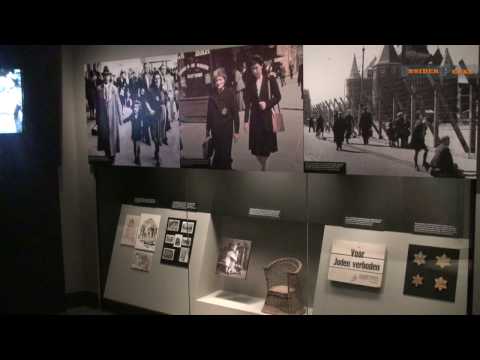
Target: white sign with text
point(357, 263)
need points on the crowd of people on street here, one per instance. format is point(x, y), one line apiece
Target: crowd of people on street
point(150, 100)
point(399, 134)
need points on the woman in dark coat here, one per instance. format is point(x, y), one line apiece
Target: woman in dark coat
point(222, 121)
point(418, 142)
point(157, 110)
point(339, 128)
point(91, 93)
point(261, 95)
point(348, 126)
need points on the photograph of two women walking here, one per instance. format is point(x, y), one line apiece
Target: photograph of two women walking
point(232, 108)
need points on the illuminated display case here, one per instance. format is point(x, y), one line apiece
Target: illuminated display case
point(275, 237)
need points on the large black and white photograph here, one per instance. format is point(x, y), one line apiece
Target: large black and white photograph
point(233, 258)
point(11, 101)
point(148, 232)
point(399, 110)
point(132, 112)
point(241, 108)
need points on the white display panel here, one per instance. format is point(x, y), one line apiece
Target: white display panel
point(345, 299)
point(164, 288)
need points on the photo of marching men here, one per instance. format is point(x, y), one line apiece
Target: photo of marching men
point(241, 108)
point(132, 111)
point(400, 110)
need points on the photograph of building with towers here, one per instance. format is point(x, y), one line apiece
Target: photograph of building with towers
point(397, 110)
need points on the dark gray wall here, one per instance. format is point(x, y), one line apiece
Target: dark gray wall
point(31, 254)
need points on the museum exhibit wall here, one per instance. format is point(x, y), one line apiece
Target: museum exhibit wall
point(31, 254)
point(78, 188)
point(324, 200)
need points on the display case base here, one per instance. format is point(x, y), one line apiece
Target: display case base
point(237, 303)
point(223, 302)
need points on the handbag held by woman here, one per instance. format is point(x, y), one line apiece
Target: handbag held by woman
point(278, 125)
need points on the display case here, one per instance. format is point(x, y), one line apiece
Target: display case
point(264, 214)
point(285, 243)
point(388, 245)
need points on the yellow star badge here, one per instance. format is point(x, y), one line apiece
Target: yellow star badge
point(419, 258)
point(440, 283)
point(417, 280)
point(443, 261)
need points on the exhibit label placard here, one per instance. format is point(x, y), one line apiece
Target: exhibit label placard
point(357, 263)
point(273, 214)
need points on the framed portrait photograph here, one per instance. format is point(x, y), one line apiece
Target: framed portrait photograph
point(173, 225)
point(233, 258)
point(184, 255)
point(178, 238)
point(169, 238)
point(186, 241)
point(188, 227)
point(168, 254)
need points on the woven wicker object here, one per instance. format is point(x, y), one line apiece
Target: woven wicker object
point(283, 287)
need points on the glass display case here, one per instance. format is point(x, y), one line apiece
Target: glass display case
point(255, 243)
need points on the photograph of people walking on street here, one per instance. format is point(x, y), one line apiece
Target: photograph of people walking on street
point(398, 110)
point(241, 108)
point(132, 112)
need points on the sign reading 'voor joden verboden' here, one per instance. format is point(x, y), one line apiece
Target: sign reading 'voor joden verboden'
point(357, 263)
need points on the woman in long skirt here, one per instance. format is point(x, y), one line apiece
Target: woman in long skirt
point(261, 95)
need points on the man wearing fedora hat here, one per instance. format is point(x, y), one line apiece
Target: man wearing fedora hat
point(109, 110)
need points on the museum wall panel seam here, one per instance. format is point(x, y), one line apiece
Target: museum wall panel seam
point(73, 251)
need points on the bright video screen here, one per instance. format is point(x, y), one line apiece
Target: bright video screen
point(11, 101)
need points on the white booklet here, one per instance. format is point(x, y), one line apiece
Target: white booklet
point(130, 227)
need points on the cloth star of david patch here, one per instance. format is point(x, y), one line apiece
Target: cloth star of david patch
point(440, 283)
point(417, 280)
point(419, 258)
point(443, 261)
